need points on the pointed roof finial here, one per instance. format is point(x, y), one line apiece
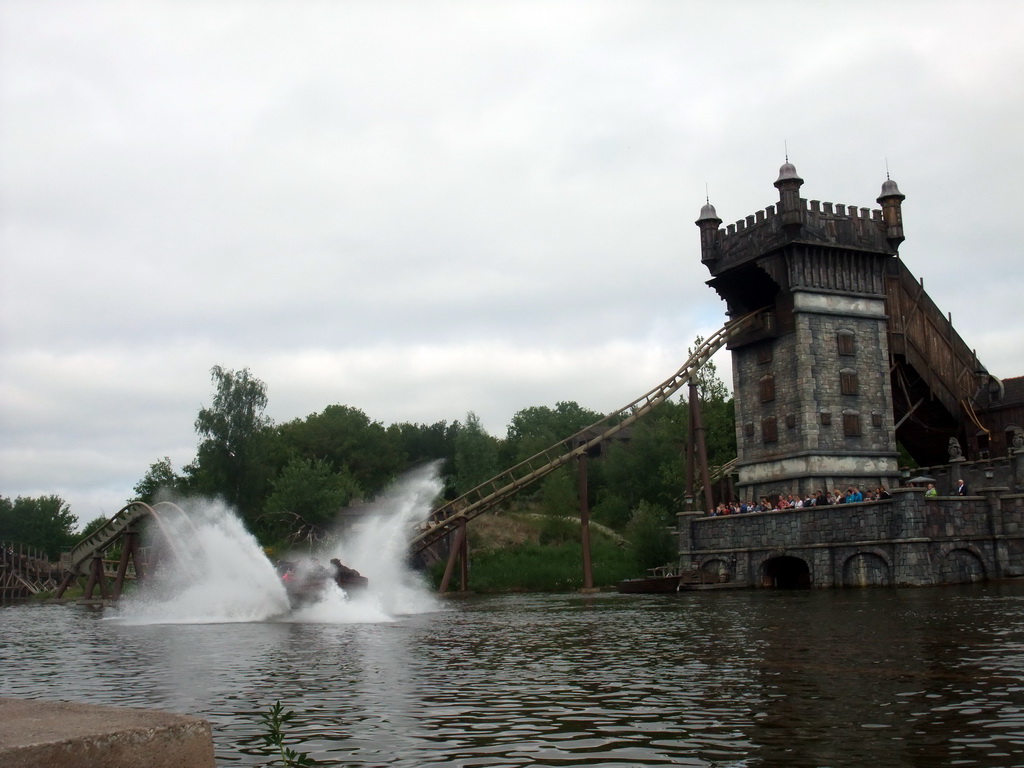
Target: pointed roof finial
point(788, 171)
point(707, 213)
point(785, 145)
point(889, 188)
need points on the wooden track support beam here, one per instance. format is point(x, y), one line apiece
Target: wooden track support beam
point(459, 551)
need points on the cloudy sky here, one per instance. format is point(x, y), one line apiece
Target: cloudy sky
point(421, 209)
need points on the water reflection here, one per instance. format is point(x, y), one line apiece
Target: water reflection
point(891, 677)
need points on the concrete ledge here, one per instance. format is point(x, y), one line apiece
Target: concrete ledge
point(62, 734)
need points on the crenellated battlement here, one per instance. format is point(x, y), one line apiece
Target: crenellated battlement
point(814, 215)
point(760, 217)
point(838, 224)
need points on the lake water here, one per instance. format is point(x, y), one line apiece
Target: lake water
point(928, 677)
point(394, 676)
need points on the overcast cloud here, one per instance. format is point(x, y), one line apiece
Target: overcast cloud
point(427, 208)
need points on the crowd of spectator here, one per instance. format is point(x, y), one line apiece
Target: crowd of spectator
point(851, 495)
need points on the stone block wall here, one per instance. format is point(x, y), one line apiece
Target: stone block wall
point(814, 405)
point(908, 540)
point(1006, 471)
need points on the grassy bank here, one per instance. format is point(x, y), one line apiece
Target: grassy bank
point(523, 552)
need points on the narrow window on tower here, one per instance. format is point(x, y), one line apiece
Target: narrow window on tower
point(769, 430)
point(767, 388)
point(845, 340)
point(851, 424)
point(848, 381)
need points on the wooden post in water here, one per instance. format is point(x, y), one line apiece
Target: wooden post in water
point(129, 552)
point(691, 466)
point(457, 547)
point(697, 429)
point(464, 555)
point(588, 573)
point(96, 578)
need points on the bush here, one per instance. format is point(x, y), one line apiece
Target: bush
point(558, 494)
point(532, 567)
point(612, 510)
point(650, 536)
point(559, 530)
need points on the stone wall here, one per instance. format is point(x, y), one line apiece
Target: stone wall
point(906, 541)
point(798, 428)
point(1005, 472)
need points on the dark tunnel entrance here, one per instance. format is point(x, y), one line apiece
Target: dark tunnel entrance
point(786, 573)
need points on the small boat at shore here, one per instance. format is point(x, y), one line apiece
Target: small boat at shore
point(711, 585)
point(650, 585)
point(665, 580)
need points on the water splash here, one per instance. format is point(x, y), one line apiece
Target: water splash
point(214, 570)
point(379, 548)
point(210, 570)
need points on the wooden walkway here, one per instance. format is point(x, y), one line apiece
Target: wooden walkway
point(25, 571)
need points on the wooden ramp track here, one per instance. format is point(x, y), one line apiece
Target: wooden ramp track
point(936, 376)
point(86, 558)
point(104, 537)
point(448, 517)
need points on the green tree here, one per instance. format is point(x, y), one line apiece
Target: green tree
point(650, 536)
point(709, 385)
point(45, 522)
point(651, 465)
point(92, 526)
point(307, 496)
point(558, 493)
point(424, 442)
point(537, 428)
point(230, 459)
point(160, 477)
point(349, 440)
point(476, 455)
point(612, 510)
point(718, 412)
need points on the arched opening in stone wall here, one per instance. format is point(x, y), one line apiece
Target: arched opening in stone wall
point(716, 571)
point(785, 572)
point(961, 566)
point(866, 569)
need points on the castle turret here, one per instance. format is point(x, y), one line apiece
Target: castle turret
point(811, 385)
point(891, 201)
point(709, 224)
point(788, 184)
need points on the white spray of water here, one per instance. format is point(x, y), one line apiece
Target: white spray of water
point(379, 549)
point(212, 570)
point(216, 572)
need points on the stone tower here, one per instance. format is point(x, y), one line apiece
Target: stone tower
point(811, 384)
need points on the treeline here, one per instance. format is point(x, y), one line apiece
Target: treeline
point(44, 522)
point(288, 481)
